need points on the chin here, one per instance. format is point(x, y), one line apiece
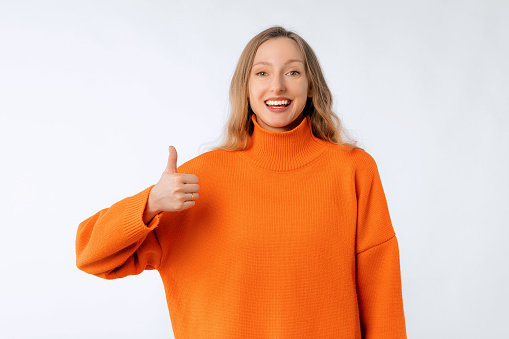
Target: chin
point(276, 121)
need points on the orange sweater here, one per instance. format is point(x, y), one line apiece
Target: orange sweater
point(291, 238)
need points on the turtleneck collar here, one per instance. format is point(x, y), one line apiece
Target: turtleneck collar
point(284, 151)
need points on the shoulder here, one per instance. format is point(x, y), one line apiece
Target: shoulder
point(357, 159)
point(204, 162)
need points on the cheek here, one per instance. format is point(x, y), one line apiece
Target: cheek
point(253, 92)
point(305, 88)
point(252, 96)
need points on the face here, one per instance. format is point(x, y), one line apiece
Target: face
point(278, 85)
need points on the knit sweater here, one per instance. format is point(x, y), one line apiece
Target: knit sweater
point(290, 238)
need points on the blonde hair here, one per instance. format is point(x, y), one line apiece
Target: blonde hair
point(325, 124)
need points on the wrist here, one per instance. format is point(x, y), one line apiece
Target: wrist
point(150, 211)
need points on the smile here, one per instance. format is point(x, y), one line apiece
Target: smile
point(278, 103)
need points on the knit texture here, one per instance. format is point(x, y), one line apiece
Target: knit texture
point(290, 238)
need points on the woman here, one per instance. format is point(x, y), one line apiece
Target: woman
point(291, 235)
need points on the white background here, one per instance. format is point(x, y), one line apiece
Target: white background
point(92, 93)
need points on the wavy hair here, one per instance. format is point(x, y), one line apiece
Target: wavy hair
point(325, 124)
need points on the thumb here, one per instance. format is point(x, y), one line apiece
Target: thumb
point(171, 167)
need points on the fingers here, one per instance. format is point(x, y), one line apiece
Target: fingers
point(191, 188)
point(192, 196)
point(171, 167)
point(186, 201)
point(187, 204)
point(189, 179)
point(186, 196)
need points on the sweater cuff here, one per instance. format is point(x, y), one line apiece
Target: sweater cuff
point(134, 227)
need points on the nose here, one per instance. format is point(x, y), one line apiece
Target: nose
point(278, 84)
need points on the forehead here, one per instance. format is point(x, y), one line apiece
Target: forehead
point(278, 50)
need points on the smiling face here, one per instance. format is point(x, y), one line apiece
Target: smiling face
point(278, 85)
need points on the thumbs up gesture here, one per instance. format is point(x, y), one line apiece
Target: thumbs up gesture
point(174, 191)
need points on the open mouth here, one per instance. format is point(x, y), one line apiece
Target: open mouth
point(277, 103)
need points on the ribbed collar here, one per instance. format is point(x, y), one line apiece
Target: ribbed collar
point(283, 151)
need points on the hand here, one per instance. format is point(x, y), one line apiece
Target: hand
point(173, 191)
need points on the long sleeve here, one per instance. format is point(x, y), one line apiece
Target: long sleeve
point(115, 242)
point(378, 274)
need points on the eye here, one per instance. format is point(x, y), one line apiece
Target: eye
point(294, 72)
point(261, 73)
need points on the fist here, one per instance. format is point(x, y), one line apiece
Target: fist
point(175, 191)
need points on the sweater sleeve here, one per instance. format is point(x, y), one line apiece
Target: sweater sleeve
point(115, 242)
point(378, 275)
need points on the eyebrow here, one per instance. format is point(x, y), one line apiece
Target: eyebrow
point(269, 64)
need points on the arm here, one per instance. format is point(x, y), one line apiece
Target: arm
point(378, 274)
point(121, 240)
point(115, 242)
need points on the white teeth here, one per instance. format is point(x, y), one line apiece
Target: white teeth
point(277, 102)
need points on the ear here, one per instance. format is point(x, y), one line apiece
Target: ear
point(310, 92)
